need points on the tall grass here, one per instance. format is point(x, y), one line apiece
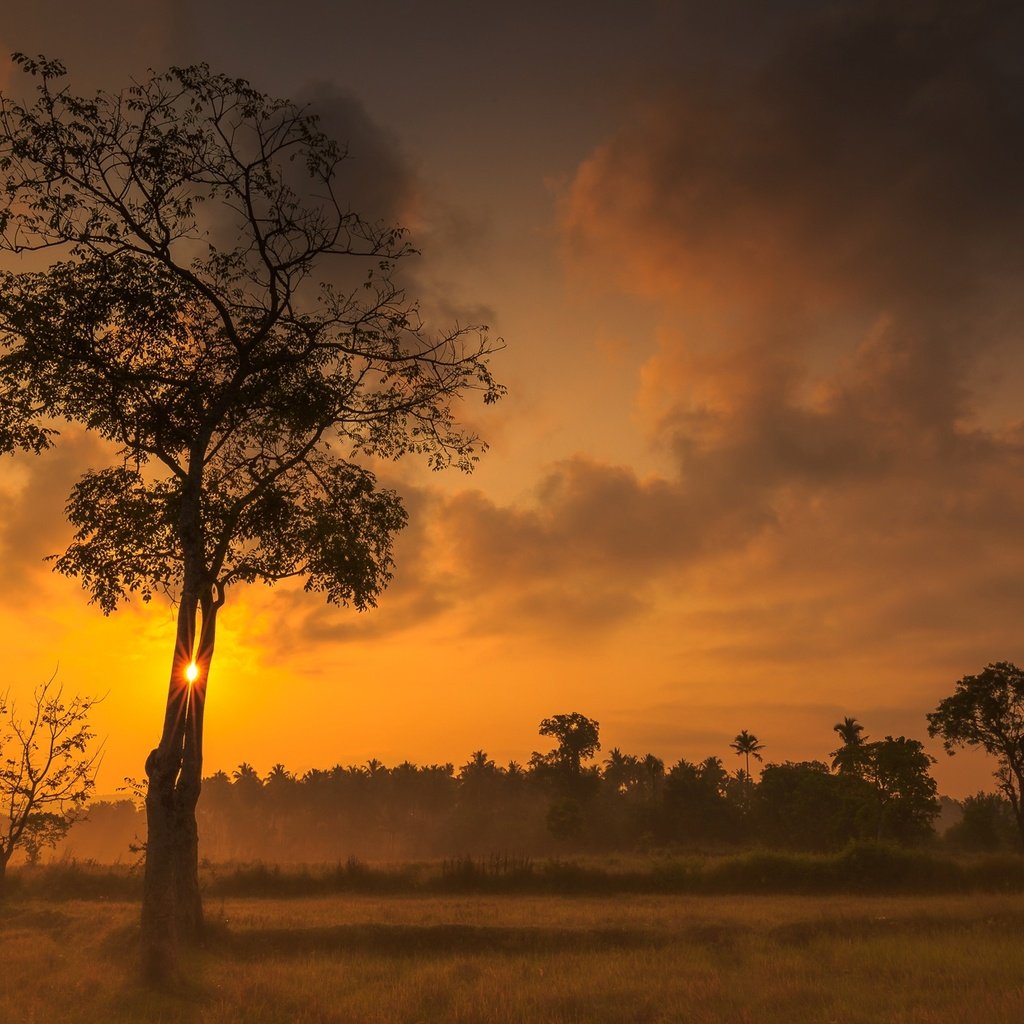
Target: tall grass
point(860, 868)
point(456, 959)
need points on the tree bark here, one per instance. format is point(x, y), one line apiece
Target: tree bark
point(1017, 800)
point(172, 909)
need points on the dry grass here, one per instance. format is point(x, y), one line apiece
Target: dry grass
point(649, 959)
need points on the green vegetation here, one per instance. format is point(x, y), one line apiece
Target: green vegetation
point(868, 868)
point(451, 959)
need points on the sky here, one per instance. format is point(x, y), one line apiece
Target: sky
point(761, 464)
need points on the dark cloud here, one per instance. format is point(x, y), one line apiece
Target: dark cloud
point(836, 230)
point(833, 229)
point(374, 180)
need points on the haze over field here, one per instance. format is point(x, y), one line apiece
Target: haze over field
point(762, 460)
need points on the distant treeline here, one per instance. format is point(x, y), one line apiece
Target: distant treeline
point(568, 801)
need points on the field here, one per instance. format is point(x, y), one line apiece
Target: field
point(484, 958)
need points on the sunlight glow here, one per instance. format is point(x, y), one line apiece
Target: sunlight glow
point(192, 672)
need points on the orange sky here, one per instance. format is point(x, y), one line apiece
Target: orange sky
point(761, 462)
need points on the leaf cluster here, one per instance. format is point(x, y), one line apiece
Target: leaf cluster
point(987, 710)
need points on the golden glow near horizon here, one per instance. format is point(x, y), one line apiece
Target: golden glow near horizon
point(191, 672)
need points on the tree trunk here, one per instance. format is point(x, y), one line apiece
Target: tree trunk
point(172, 909)
point(1017, 800)
point(4, 858)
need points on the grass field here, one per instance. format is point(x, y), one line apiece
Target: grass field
point(482, 959)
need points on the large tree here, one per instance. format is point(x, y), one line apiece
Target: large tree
point(214, 310)
point(987, 710)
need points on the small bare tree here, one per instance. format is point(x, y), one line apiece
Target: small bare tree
point(47, 770)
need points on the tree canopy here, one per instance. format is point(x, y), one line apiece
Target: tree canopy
point(987, 710)
point(577, 737)
point(196, 321)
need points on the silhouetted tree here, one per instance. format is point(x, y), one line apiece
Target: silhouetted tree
point(987, 710)
point(279, 777)
point(898, 769)
point(247, 777)
point(577, 738)
point(696, 803)
point(651, 776)
point(562, 771)
point(197, 320)
point(621, 771)
point(804, 806)
point(746, 745)
point(46, 770)
point(848, 757)
point(988, 824)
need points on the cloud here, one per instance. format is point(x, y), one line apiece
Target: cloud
point(32, 523)
point(834, 236)
point(831, 229)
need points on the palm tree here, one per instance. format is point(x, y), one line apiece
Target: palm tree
point(848, 757)
point(278, 776)
point(653, 775)
point(479, 764)
point(850, 730)
point(619, 770)
point(246, 774)
point(745, 745)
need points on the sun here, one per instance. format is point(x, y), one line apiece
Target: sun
point(192, 672)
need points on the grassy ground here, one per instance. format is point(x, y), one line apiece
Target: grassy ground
point(492, 960)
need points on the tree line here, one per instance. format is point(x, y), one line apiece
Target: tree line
point(572, 799)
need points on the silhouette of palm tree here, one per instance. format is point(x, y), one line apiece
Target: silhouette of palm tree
point(279, 775)
point(619, 770)
point(478, 764)
point(848, 757)
point(850, 730)
point(745, 745)
point(653, 775)
point(245, 772)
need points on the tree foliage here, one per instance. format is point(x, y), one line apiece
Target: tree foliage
point(577, 740)
point(988, 824)
point(849, 756)
point(195, 320)
point(987, 710)
point(747, 745)
point(899, 771)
